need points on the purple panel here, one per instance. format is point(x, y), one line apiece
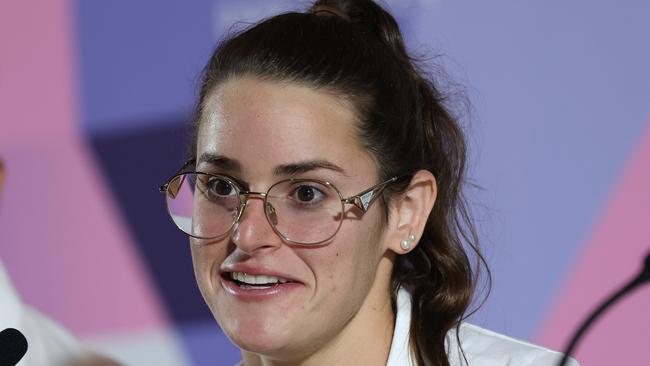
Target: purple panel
point(140, 59)
point(135, 164)
point(560, 91)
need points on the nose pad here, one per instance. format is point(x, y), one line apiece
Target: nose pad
point(240, 213)
point(270, 213)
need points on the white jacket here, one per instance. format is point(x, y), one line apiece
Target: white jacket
point(481, 346)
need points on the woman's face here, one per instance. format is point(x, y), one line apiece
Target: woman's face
point(257, 126)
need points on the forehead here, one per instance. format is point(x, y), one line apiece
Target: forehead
point(266, 123)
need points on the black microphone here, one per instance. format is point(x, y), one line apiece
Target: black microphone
point(13, 346)
point(642, 277)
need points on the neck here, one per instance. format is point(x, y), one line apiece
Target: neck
point(365, 340)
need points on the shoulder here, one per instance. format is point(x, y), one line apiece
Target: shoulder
point(484, 347)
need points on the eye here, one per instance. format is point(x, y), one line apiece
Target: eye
point(307, 194)
point(220, 187)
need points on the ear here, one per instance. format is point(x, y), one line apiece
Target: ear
point(410, 211)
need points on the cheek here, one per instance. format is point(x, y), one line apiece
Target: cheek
point(349, 263)
point(206, 259)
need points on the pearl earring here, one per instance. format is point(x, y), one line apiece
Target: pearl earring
point(406, 244)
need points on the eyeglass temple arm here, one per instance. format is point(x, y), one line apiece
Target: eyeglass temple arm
point(363, 200)
point(165, 186)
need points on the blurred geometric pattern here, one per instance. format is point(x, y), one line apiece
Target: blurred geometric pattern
point(95, 104)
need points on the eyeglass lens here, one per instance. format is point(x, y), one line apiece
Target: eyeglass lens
point(302, 211)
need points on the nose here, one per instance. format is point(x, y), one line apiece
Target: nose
point(253, 231)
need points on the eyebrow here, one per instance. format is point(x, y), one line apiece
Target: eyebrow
point(220, 161)
point(307, 166)
point(300, 167)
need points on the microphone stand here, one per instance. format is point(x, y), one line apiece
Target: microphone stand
point(642, 277)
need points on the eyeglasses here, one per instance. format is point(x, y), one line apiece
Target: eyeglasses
point(300, 211)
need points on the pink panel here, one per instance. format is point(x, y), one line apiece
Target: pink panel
point(61, 237)
point(35, 72)
point(612, 256)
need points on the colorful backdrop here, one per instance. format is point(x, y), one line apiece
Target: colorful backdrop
point(95, 97)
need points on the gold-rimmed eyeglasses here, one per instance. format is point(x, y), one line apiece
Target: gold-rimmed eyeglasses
point(301, 211)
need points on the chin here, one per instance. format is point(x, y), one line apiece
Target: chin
point(263, 344)
point(256, 335)
point(258, 346)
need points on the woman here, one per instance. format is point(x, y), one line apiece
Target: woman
point(323, 199)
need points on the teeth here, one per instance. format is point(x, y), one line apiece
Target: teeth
point(256, 280)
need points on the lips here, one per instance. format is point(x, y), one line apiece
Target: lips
point(249, 283)
point(256, 281)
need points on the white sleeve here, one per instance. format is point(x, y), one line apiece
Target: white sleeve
point(47, 342)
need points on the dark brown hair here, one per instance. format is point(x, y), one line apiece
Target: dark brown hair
point(354, 48)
